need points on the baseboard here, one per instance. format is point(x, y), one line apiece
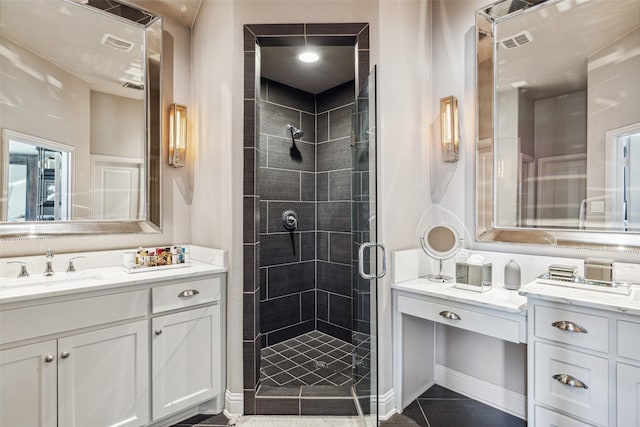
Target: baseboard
point(499, 397)
point(233, 404)
point(386, 405)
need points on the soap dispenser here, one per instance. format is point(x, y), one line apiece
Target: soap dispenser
point(512, 275)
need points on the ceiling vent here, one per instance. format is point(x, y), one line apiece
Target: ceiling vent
point(117, 43)
point(131, 85)
point(517, 40)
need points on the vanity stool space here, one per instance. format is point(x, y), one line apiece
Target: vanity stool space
point(498, 313)
point(132, 350)
point(584, 357)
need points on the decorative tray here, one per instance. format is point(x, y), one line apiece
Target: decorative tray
point(142, 269)
point(620, 288)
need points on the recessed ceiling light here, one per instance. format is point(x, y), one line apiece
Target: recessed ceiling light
point(308, 56)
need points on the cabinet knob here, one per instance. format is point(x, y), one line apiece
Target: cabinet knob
point(568, 326)
point(65, 354)
point(567, 379)
point(188, 293)
point(158, 331)
point(450, 315)
point(49, 358)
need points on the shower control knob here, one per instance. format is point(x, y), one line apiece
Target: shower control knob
point(290, 220)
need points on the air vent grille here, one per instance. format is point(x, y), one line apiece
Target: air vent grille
point(517, 40)
point(117, 43)
point(136, 86)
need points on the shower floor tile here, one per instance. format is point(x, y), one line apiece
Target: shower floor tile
point(313, 358)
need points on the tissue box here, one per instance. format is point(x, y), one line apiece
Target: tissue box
point(473, 277)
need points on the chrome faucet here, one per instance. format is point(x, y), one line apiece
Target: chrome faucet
point(49, 269)
point(23, 268)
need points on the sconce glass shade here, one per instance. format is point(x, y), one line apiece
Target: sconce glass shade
point(449, 133)
point(177, 135)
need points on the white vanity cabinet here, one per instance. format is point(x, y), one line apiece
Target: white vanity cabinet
point(584, 365)
point(28, 385)
point(186, 346)
point(125, 356)
point(103, 377)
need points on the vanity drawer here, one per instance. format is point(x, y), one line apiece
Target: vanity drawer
point(185, 294)
point(547, 418)
point(590, 402)
point(628, 343)
point(466, 318)
point(568, 327)
point(40, 320)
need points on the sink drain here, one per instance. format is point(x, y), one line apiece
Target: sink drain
point(317, 364)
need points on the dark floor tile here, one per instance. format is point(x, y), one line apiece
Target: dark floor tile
point(203, 420)
point(399, 420)
point(327, 406)
point(215, 420)
point(414, 412)
point(439, 392)
point(282, 391)
point(325, 391)
point(465, 413)
point(270, 406)
point(282, 378)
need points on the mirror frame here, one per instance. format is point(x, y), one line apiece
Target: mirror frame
point(153, 117)
point(485, 229)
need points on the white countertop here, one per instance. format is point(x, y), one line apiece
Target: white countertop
point(94, 279)
point(629, 304)
point(497, 298)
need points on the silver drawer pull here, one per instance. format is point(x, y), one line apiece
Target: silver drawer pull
point(565, 325)
point(188, 293)
point(65, 354)
point(450, 315)
point(570, 381)
point(49, 358)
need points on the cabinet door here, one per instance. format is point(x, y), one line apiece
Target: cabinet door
point(103, 377)
point(628, 404)
point(28, 386)
point(186, 359)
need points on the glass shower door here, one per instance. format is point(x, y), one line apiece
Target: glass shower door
point(365, 271)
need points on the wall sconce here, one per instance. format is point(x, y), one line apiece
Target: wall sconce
point(449, 133)
point(177, 135)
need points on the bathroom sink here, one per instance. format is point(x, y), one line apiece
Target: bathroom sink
point(58, 278)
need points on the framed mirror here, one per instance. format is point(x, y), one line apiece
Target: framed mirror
point(80, 114)
point(558, 123)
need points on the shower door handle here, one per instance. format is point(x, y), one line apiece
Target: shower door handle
point(369, 276)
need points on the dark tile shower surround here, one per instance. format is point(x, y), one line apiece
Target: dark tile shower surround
point(305, 275)
point(300, 284)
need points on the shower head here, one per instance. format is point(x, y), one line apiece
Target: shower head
point(295, 132)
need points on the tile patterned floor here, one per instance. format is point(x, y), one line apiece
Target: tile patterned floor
point(314, 358)
point(441, 407)
point(437, 407)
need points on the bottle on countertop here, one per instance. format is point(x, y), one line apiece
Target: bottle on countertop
point(512, 275)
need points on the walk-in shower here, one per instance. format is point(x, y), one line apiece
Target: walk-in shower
point(309, 317)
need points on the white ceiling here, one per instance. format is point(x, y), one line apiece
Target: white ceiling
point(182, 11)
point(564, 35)
point(335, 66)
point(52, 29)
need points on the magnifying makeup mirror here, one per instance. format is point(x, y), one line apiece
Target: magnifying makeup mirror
point(440, 242)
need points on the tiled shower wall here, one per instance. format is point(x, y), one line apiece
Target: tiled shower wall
point(334, 300)
point(255, 34)
point(286, 180)
point(305, 277)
